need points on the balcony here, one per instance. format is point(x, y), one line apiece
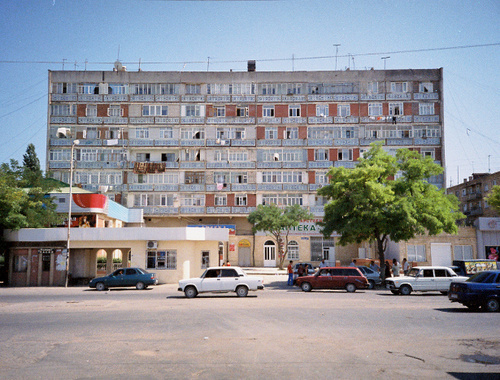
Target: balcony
point(346, 120)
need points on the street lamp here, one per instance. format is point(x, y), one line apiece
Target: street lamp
point(75, 142)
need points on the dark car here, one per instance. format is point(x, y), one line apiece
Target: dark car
point(372, 276)
point(480, 291)
point(124, 277)
point(348, 278)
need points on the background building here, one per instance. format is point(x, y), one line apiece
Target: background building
point(205, 148)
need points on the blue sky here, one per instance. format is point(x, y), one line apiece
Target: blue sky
point(38, 35)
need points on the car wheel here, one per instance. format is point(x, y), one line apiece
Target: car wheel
point(190, 292)
point(371, 284)
point(241, 291)
point(492, 305)
point(396, 292)
point(140, 286)
point(351, 288)
point(306, 287)
point(100, 286)
point(405, 290)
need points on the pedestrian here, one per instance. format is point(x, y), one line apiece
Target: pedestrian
point(396, 268)
point(374, 266)
point(289, 270)
point(300, 270)
point(322, 264)
point(353, 263)
point(227, 264)
point(406, 267)
point(387, 271)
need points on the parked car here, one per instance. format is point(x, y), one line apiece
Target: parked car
point(372, 276)
point(125, 277)
point(471, 267)
point(221, 280)
point(424, 279)
point(348, 278)
point(480, 291)
point(310, 270)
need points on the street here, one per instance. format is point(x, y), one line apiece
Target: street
point(278, 333)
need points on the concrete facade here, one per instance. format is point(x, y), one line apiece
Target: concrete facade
point(205, 148)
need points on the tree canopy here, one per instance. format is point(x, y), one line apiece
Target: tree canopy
point(277, 222)
point(494, 198)
point(387, 198)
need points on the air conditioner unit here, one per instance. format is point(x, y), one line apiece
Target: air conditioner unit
point(152, 244)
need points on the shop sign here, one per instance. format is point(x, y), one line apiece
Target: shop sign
point(244, 243)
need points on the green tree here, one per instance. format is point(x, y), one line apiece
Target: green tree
point(367, 204)
point(493, 198)
point(277, 222)
point(31, 173)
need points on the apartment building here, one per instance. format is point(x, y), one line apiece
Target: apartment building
point(472, 194)
point(205, 148)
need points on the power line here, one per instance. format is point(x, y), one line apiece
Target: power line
point(260, 60)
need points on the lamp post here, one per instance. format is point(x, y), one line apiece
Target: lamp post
point(75, 142)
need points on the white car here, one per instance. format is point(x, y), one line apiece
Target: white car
point(424, 279)
point(221, 280)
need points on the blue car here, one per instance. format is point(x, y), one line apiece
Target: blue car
point(125, 277)
point(480, 291)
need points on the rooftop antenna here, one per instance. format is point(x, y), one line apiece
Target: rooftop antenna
point(208, 63)
point(336, 54)
point(118, 58)
point(293, 62)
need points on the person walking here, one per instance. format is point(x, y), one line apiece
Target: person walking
point(406, 267)
point(396, 268)
point(289, 270)
point(387, 271)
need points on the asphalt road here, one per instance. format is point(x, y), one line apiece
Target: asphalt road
point(278, 333)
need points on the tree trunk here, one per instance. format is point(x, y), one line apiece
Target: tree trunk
point(381, 257)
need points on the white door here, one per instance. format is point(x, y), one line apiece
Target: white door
point(441, 254)
point(329, 255)
point(269, 254)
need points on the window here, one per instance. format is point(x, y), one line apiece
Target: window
point(395, 109)
point(428, 153)
point(194, 177)
point(373, 87)
point(399, 87)
point(291, 133)
point(60, 155)
point(63, 109)
point(268, 111)
point(416, 253)
point(220, 111)
point(282, 199)
point(193, 110)
point(221, 200)
point(64, 88)
point(193, 89)
point(194, 133)
point(345, 155)
point(240, 200)
point(426, 109)
point(143, 157)
point(375, 109)
point(117, 88)
point(462, 252)
point(88, 88)
point(322, 178)
point(271, 133)
point(322, 110)
point(166, 133)
point(321, 155)
point(239, 178)
point(205, 259)
point(142, 133)
point(155, 89)
point(91, 133)
point(425, 87)
point(293, 250)
point(115, 110)
point(193, 200)
point(154, 110)
point(113, 133)
point(294, 111)
point(344, 110)
point(162, 260)
point(242, 111)
point(238, 156)
point(91, 110)
point(20, 263)
point(45, 262)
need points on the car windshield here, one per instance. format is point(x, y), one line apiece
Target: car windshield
point(413, 272)
point(481, 277)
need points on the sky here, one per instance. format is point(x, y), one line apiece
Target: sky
point(462, 37)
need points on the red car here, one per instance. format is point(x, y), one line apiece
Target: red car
point(348, 278)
